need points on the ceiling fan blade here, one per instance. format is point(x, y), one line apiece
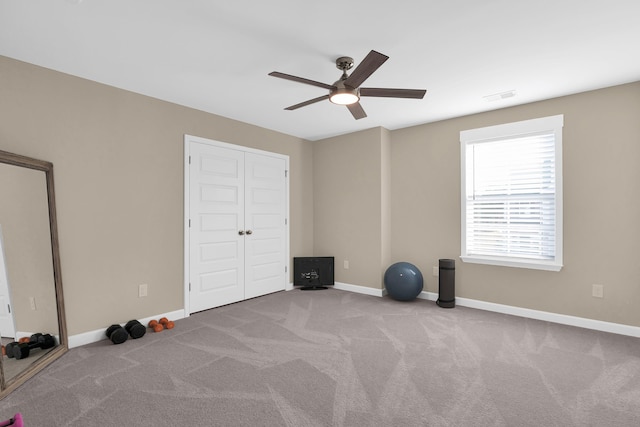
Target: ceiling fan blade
point(357, 111)
point(300, 80)
point(393, 93)
point(305, 103)
point(369, 64)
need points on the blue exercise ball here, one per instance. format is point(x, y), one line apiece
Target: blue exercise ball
point(403, 281)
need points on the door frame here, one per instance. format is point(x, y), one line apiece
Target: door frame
point(188, 139)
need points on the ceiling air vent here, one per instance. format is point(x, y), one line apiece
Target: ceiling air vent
point(499, 96)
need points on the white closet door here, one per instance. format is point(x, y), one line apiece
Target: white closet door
point(216, 200)
point(265, 216)
point(238, 229)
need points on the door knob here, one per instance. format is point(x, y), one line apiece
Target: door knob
point(249, 232)
point(241, 232)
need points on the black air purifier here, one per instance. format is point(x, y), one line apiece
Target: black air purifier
point(447, 284)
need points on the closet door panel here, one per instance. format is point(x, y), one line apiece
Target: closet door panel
point(217, 215)
point(265, 215)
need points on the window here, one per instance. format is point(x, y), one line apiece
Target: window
point(512, 194)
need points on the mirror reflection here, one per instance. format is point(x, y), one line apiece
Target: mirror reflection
point(30, 302)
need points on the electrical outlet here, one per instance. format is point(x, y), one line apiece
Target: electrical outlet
point(142, 290)
point(32, 301)
point(597, 291)
point(346, 264)
point(436, 271)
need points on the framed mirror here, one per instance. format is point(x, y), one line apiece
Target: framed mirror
point(31, 299)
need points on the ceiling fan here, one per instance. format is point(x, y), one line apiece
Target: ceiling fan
point(347, 90)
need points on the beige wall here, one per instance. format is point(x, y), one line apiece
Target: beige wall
point(348, 190)
point(118, 165)
point(601, 141)
point(601, 206)
point(385, 202)
point(372, 197)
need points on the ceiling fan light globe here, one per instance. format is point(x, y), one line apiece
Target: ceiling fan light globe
point(344, 97)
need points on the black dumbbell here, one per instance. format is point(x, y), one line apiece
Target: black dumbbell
point(22, 350)
point(36, 340)
point(117, 334)
point(9, 349)
point(135, 329)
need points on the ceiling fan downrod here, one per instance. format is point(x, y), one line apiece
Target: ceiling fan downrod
point(344, 63)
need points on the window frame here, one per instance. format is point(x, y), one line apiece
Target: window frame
point(500, 133)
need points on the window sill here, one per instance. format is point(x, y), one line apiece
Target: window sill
point(510, 262)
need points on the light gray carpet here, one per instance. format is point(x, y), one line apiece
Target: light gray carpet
point(323, 358)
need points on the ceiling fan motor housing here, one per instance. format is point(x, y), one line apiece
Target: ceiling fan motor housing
point(344, 63)
point(343, 94)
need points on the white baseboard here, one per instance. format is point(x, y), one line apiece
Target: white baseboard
point(99, 334)
point(351, 288)
point(360, 289)
point(581, 322)
point(563, 319)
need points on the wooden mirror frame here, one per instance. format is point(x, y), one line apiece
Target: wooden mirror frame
point(7, 387)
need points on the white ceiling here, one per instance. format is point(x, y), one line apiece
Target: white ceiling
point(215, 55)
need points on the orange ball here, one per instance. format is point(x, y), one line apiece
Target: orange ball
point(153, 323)
point(169, 325)
point(158, 327)
point(163, 320)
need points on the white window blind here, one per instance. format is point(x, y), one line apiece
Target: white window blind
point(511, 207)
